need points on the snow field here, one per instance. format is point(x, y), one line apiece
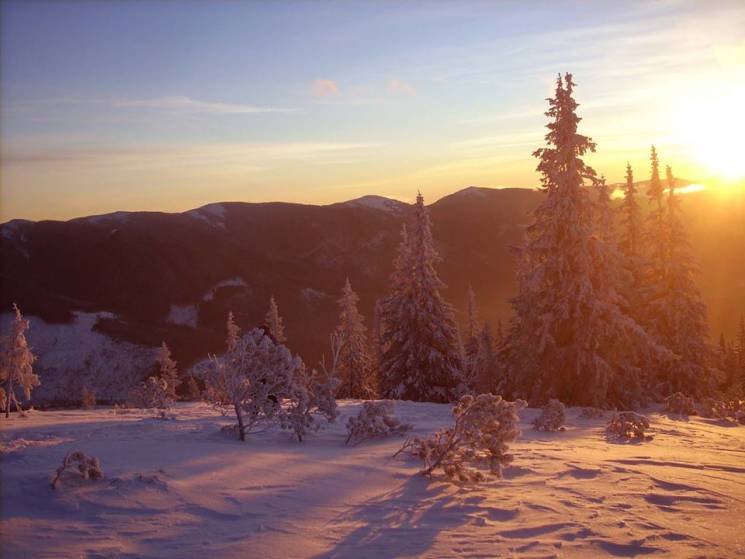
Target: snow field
point(183, 489)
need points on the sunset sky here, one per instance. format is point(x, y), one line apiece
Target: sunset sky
point(170, 105)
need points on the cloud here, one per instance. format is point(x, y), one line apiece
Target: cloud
point(189, 105)
point(399, 86)
point(251, 155)
point(324, 88)
point(174, 104)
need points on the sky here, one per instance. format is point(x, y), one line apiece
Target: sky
point(146, 105)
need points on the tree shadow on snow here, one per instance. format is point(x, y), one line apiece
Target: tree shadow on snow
point(404, 522)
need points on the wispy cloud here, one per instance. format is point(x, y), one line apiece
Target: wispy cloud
point(172, 104)
point(189, 105)
point(254, 155)
point(324, 88)
point(399, 86)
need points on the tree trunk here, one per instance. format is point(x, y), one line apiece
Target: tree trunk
point(241, 428)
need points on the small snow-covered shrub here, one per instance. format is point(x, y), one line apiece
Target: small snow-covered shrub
point(552, 417)
point(592, 413)
point(484, 427)
point(713, 409)
point(88, 466)
point(719, 409)
point(261, 382)
point(628, 425)
point(375, 419)
point(88, 398)
point(680, 404)
point(152, 394)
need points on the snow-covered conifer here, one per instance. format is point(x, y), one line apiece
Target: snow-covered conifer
point(234, 332)
point(168, 371)
point(472, 344)
point(354, 362)
point(486, 362)
point(274, 322)
point(484, 427)
point(569, 337)
point(375, 419)
point(674, 309)
point(422, 355)
point(16, 363)
point(630, 219)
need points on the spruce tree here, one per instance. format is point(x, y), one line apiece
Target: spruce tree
point(274, 322)
point(569, 338)
point(677, 314)
point(234, 332)
point(421, 357)
point(630, 219)
point(354, 363)
point(16, 362)
point(471, 346)
point(168, 371)
point(486, 362)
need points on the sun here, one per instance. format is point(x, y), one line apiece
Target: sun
point(712, 123)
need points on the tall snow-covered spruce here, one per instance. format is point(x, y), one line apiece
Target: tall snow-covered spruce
point(471, 344)
point(675, 311)
point(354, 365)
point(421, 356)
point(16, 363)
point(569, 338)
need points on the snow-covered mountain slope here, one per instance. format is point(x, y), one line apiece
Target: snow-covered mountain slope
point(72, 356)
point(377, 202)
point(182, 489)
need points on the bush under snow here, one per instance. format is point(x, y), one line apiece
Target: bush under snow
point(552, 418)
point(680, 404)
point(261, 382)
point(375, 419)
point(628, 425)
point(484, 427)
point(88, 466)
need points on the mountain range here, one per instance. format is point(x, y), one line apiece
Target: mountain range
point(153, 276)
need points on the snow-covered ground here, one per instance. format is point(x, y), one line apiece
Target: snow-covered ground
point(183, 489)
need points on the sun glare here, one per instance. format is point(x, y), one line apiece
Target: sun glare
point(712, 125)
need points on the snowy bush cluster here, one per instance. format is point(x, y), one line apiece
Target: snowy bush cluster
point(87, 466)
point(484, 427)
point(374, 420)
point(681, 404)
point(719, 409)
point(261, 382)
point(628, 425)
point(552, 417)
